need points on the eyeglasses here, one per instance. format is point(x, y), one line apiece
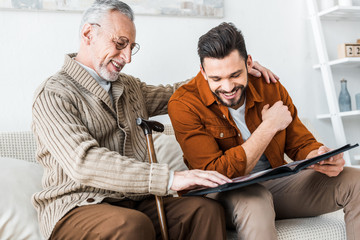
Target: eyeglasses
point(122, 42)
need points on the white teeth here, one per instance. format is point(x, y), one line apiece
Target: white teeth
point(229, 94)
point(116, 64)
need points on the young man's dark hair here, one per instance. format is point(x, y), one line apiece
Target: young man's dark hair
point(220, 41)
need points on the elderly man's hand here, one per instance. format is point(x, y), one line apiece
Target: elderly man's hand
point(191, 179)
point(257, 70)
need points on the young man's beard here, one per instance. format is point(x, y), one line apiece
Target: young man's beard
point(232, 102)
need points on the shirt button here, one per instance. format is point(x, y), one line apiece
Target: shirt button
point(90, 200)
point(224, 116)
point(239, 134)
point(221, 135)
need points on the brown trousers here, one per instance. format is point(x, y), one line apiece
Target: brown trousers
point(252, 210)
point(187, 218)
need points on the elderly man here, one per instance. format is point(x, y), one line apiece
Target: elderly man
point(97, 181)
point(231, 122)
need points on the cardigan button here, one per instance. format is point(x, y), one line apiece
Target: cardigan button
point(221, 135)
point(224, 116)
point(90, 200)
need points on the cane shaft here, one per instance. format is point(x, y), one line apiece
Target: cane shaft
point(150, 147)
point(158, 199)
point(162, 217)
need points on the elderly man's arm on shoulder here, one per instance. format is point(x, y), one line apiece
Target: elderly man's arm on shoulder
point(157, 97)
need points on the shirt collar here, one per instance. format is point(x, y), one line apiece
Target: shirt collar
point(252, 95)
point(84, 78)
point(103, 83)
point(207, 97)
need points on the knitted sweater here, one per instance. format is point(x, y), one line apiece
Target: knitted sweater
point(91, 149)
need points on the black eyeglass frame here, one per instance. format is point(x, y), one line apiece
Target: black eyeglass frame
point(135, 47)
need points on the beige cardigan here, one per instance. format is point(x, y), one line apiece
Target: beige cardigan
point(90, 149)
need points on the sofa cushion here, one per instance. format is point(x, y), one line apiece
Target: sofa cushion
point(19, 179)
point(19, 145)
point(168, 151)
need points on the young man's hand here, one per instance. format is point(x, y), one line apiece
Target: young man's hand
point(190, 179)
point(332, 166)
point(277, 117)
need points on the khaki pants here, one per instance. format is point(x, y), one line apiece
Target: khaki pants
point(252, 210)
point(187, 218)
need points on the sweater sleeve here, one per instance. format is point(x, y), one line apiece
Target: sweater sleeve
point(157, 97)
point(65, 137)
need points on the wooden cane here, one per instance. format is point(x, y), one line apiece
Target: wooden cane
point(148, 126)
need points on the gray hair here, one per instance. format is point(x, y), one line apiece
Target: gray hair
point(96, 12)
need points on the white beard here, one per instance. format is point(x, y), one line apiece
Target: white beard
point(106, 75)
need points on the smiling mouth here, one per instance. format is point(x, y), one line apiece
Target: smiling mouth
point(117, 65)
point(230, 94)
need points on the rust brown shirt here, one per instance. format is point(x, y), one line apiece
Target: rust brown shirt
point(210, 138)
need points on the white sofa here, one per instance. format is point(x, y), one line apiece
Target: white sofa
point(20, 177)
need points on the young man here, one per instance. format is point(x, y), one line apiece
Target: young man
point(231, 122)
point(97, 181)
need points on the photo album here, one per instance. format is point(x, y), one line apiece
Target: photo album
point(268, 174)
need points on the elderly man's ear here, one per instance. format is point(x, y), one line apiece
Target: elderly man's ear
point(86, 33)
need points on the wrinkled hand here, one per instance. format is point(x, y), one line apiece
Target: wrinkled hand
point(257, 70)
point(277, 116)
point(332, 166)
point(190, 179)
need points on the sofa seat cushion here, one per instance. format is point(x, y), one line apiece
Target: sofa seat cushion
point(329, 226)
point(19, 179)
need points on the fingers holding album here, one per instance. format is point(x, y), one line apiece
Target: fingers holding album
point(190, 179)
point(331, 166)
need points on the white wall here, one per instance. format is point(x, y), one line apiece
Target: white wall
point(277, 32)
